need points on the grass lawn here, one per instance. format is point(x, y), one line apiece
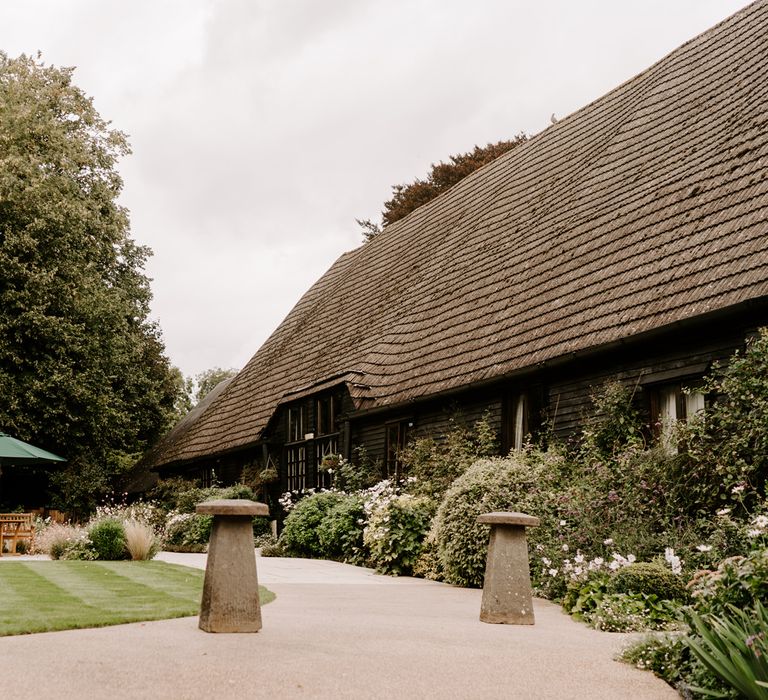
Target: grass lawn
point(46, 596)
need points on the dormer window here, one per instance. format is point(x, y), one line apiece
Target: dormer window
point(327, 414)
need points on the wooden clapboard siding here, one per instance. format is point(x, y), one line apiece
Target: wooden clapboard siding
point(667, 358)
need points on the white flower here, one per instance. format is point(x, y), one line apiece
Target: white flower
point(754, 533)
point(545, 561)
point(704, 547)
point(609, 541)
point(614, 565)
point(761, 521)
point(673, 560)
point(597, 562)
point(579, 558)
point(631, 558)
point(565, 547)
point(724, 511)
point(562, 523)
point(738, 488)
point(553, 572)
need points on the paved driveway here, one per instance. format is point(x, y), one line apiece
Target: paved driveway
point(335, 631)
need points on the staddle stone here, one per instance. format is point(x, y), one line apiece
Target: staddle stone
point(231, 590)
point(507, 595)
point(232, 506)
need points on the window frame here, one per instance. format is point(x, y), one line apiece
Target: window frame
point(671, 403)
point(393, 449)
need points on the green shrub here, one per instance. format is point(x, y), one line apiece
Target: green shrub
point(666, 655)
point(728, 449)
point(180, 495)
point(738, 584)
point(57, 549)
point(395, 532)
point(650, 579)
point(340, 532)
point(108, 539)
point(435, 463)
point(738, 581)
point(165, 492)
point(632, 612)
point(187, 500)
point(614, 425)
point(261, 526)
point(619, 612)
point(361, 472)
point(187, 532)
point(79, 550)
point(515, 483)
point(583, 595)
point(272, 549)
point(301, 536)
point(427, 564)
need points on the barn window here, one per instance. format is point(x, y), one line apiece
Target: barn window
point(296, 462)
point(669, 405)
point(396, 438)
point(520, 418)
point(296, 421)
point(296, 449)
point(515, 421)
point(328, 409)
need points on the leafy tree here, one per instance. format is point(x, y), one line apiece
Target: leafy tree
point(206, 381)
point(82, 368)
point(184, 395)
point(440, 178)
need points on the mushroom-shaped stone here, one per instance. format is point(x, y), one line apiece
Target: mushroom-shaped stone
point(507, 595)
point(231, 590)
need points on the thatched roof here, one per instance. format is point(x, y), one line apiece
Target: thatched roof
point(642, 209)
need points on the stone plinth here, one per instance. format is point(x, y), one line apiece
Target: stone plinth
point(507, 595)
point(231, 590)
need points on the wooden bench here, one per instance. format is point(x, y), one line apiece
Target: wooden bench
point(15, 527)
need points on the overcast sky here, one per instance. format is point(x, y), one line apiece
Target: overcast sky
point(262, 128)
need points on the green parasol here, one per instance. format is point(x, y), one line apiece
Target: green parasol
point(13, 451)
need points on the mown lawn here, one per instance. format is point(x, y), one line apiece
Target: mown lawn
point(46, 596)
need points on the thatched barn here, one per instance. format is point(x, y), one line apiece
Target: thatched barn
point(629, 240)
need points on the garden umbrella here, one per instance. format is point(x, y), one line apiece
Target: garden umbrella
point(15, 452)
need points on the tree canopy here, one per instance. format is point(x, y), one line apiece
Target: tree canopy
point(441, 177)
point(206, 381)
point(83, 371)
